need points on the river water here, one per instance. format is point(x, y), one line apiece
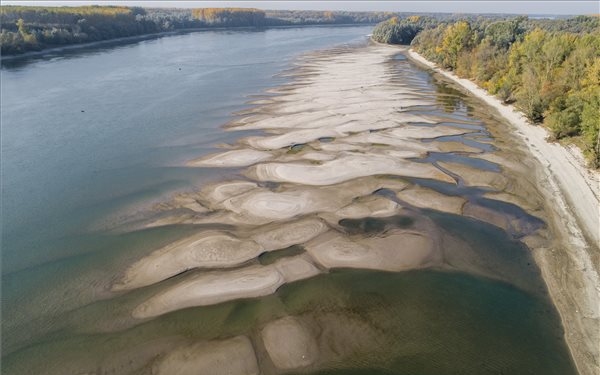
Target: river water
point(90, 137)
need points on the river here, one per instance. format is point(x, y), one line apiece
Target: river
point(93, 139)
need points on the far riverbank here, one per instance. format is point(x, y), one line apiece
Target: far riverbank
point(142, 37)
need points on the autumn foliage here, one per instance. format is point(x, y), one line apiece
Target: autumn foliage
point(550, 70)
point(230, 16)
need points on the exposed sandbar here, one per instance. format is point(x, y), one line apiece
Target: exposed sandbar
point(426, 198)
point(345, 168)
point(369, 206)
point(285, 235)
point(233, 158)
point(221, 286)
point(476, 177)
point(396, 251)
point(206, 249)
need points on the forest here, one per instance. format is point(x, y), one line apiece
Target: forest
point(549, 69)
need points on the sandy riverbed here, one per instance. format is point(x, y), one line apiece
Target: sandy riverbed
point(572, 193)
point(343, 173)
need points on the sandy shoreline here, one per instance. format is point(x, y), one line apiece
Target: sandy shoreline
point(572, 191)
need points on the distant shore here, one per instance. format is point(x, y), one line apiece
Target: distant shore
point(137, 38)
point(572, 191)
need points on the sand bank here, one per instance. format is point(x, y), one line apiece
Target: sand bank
point(221, 286)
point(234, 158)
point(205, 249)
point(571, 268)
point(344, 168)
point(396, 251)
point(348, 169)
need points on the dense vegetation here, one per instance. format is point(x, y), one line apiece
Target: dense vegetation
point(33, 28)
point(550, 69)
point(311, 17)
point(401, 31)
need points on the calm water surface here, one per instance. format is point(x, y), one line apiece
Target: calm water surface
point(88, 136)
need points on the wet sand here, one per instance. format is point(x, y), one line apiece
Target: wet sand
point(572, 192)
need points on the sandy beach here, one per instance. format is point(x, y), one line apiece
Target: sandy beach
point(572, 193)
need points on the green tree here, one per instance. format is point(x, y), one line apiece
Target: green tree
point(457, 37)
point(504, 33)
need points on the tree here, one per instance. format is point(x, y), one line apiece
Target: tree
point(457, 38)
point(504, 33)
point(396, 31)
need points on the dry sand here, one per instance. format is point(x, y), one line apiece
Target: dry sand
point(285, 235)
point(205, 249)
point(426, 198)
point(234, 158)
point(570, 269)
point(221, 286)
point(396, 251)
point(344, 168)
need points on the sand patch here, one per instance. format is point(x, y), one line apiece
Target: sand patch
point(427, 198)
point(397, 251)
point(206, 250)
point(283, 205)
point(289, 343)
point(289, 139)
point(285, 235)
point(372, 206)
point(426, 132)
point(216, 193)
point(234, 158)
point(232, 356)
point(343, 169)
point(476, 177)
point(216, 287)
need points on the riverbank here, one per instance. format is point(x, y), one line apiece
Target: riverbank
point(570, 270)
point(142, 37)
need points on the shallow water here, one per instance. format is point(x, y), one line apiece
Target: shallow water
point(68, 173)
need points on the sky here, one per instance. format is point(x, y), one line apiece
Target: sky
point(562, 7)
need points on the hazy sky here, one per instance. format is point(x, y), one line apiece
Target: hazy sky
point(445, 6)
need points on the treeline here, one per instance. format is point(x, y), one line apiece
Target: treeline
point(311, 17)
point(402, 30)
point(32, 28)
point(230, 16)
point(549, 69)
